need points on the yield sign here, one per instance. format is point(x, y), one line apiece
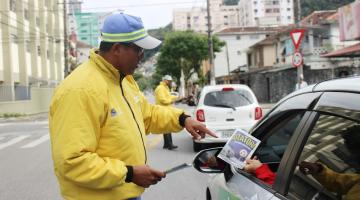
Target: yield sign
point(297, 35)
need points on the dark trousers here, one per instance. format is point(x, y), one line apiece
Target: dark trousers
point(167, 140)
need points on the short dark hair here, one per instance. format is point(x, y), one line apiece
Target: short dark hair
point(105, 46)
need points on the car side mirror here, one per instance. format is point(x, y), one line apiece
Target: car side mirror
point(206, 161)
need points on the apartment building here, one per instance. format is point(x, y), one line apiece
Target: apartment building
point(31, 47)
point(196, 18)
point(88, 27)
point(266, 12)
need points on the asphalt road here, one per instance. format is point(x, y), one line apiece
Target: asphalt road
point(26, 170)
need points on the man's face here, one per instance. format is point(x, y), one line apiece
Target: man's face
point(130, 57)
point(168, 83)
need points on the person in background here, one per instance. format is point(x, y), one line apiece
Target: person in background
point(99, 119)
point(164, 98)
point(301, 83)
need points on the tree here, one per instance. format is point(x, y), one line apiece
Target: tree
point(184, 51)
point(309, 6)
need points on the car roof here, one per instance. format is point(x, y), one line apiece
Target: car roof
point(220, 87)
point(350, 84)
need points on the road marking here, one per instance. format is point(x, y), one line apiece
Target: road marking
point(13, 141)
point(42, 139)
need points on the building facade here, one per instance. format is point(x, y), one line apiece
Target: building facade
point(266, 12)
point(196, 18)
point(31, 48)
point(88, 27)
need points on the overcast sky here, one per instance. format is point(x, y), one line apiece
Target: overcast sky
point(154, 13)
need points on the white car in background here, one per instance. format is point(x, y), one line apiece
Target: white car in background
point(223, 108)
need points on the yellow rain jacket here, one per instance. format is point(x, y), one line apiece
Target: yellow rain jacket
point(163, 96)
point(97, 127)
point(342, 183)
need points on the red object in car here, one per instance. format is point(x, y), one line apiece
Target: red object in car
point(258, 113)
point(200, 115)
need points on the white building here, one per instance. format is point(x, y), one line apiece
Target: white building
point(196, 18)
point(238, 40)
point(266, 12)
point(31, 48)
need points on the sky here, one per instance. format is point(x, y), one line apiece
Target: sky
point(154, 13)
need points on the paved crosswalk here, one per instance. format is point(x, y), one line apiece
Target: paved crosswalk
point(22, 141)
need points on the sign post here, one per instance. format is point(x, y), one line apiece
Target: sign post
point(298, 60)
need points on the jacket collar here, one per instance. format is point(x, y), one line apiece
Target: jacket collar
point(107, 68)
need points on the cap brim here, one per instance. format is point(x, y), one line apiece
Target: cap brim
point(148, 42)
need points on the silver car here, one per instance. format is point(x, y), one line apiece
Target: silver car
point(316, 126)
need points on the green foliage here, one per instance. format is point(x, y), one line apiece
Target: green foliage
point(184, 50)
point(231, 2)
point(9, 115)
point(159, 34)
point(142, 81)
point(309, 6)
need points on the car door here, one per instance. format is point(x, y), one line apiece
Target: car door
point(331, 139)
point(277, 132)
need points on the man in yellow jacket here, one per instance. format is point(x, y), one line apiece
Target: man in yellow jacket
point(163, 97)
point(99, 119)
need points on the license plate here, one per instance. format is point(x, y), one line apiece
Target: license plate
point(227, 133)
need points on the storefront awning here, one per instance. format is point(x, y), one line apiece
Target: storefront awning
point(348, 52)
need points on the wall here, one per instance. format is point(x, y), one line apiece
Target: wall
point(40, 101)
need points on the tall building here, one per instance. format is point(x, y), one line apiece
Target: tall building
point(88, 27)
point(31, 47)
point(196, 18)
point(266, 12)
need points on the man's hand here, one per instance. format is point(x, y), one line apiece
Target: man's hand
point(145, 176)
point(310, 168)
point(197, 129)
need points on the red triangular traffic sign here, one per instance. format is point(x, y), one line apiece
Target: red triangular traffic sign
point(297, 35)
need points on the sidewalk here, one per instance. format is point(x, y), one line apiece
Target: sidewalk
point(26, 118)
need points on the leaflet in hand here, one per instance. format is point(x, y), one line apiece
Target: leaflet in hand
point(240, 146)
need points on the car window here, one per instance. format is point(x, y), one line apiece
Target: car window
point(273, 145)
point(329, 163)
point(233, 98)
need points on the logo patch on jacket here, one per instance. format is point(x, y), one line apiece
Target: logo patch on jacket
point(113, 112)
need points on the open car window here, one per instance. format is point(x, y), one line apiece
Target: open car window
point(333, 146)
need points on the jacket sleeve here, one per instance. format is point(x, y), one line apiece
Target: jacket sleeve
point(75, 121)
point(163, 97)
point(265, 174)
point(160, 119)
point(337, 182)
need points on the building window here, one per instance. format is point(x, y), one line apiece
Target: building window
point(39, 50)
point(83, 31)
point(289, 17)
point(226, 24)
point(276, 10)
point(288, 9)
point(238, 37)
point(255, 2)
point(26, 14)
point(256, 10)
point(12, 4)
point(268, 10)
point(83, 24)
point(37, 21)
point(225, 16)
point(238, 52)
point(27, 46)
point(83, 38)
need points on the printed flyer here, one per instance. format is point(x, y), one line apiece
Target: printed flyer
point(240, 146)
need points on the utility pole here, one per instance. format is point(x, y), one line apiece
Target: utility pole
point(211, 50)
point(297, 7)
point(66, 63)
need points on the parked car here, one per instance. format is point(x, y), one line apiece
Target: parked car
point(223, 108)
point(306, 126)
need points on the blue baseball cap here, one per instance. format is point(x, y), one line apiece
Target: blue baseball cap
point(120, 27)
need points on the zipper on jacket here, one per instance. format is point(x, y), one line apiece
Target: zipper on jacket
point(132, 112)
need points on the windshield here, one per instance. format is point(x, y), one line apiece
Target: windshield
point(229, 99)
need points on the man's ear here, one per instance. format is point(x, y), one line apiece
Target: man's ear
point(117, 49)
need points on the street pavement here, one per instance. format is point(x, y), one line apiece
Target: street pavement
point(26, 170)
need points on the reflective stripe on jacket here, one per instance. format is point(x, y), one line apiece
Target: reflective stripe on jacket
point(163, 96)
point(97, 127)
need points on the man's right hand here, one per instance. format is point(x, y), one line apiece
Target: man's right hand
point(145, 176)
point(310, 168)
